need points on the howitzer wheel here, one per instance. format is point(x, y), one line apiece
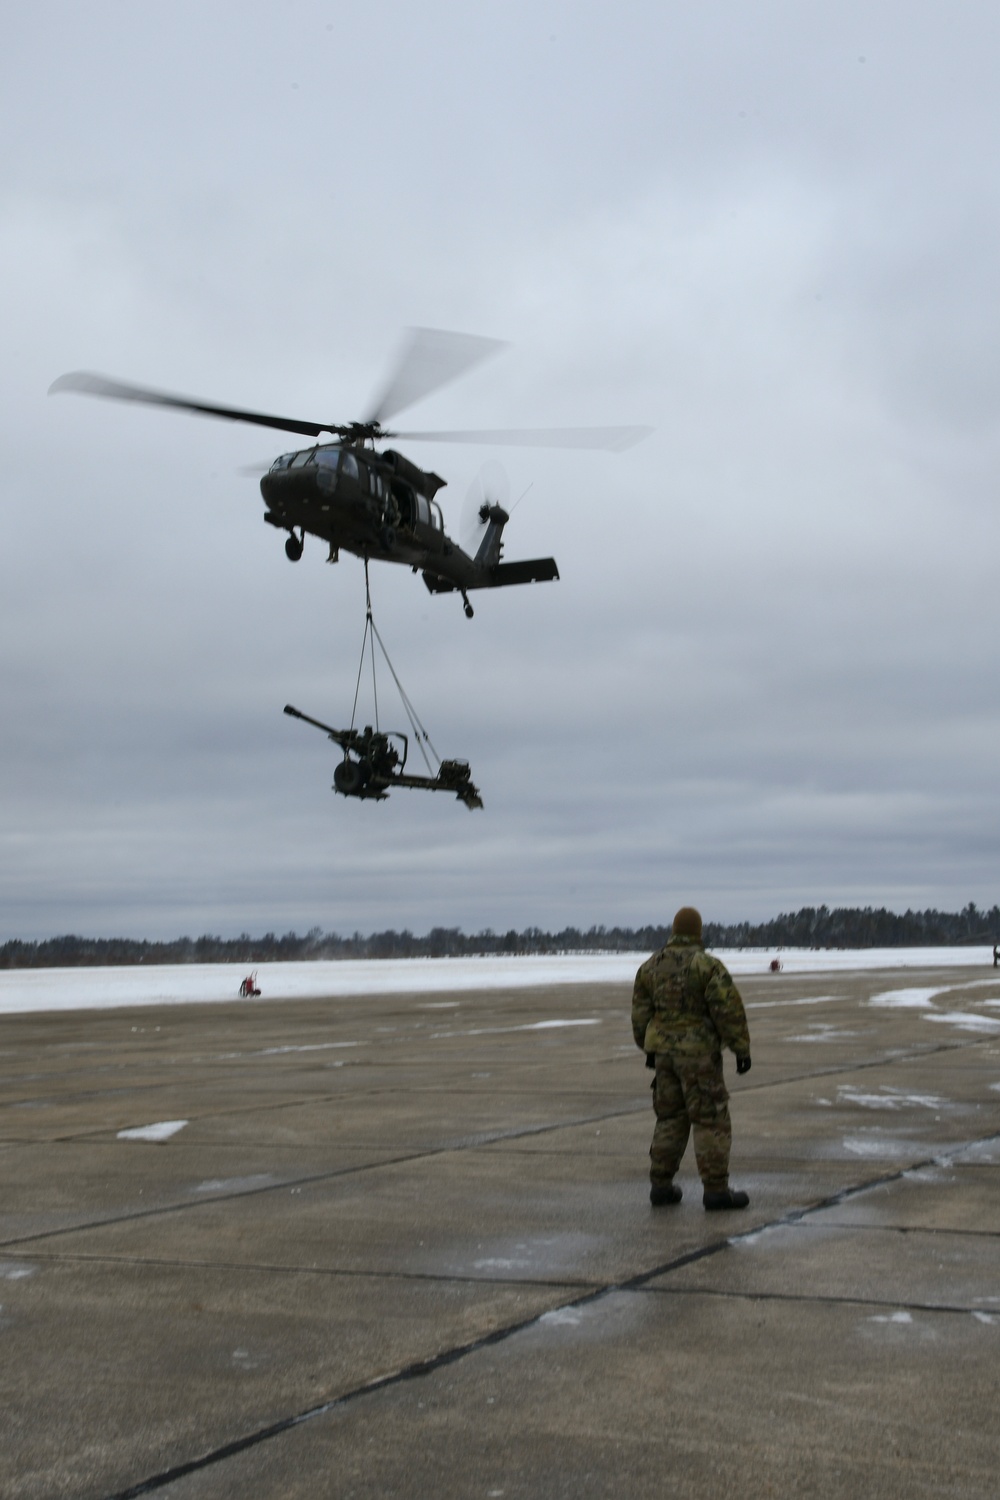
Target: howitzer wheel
point(348, 778)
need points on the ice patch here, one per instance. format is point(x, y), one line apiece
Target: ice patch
point(12, 1270)
point(497, 1263)
point(161, 1131)
point(904, 999)
point(989, 1318)
point(307, 1047)
point(821, 1031)
point(753, 1236)
point(888, 1099)
point(550, 1025)
point(877, 1148)
point(896, 1317)
point(928, 1174)
point(562, 1317)
point(235, 1184)
point(527, 1026)
point(779, 1004)
point(966, 1020)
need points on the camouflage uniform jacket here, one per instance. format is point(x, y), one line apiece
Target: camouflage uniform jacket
point(685, 1002)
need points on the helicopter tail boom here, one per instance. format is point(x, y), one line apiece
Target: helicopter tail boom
point(530, 570)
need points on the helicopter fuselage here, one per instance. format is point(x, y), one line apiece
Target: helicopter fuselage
point(380, 505)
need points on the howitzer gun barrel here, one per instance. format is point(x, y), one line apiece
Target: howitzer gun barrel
point(335, 734)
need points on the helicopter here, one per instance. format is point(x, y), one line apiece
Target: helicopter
point(354, 494)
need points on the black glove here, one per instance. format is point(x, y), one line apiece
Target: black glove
point(650, 1059)
point(743, 1063)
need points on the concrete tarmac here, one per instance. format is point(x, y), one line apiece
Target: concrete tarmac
point(401, 1246)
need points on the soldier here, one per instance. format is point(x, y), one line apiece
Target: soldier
point(685, 1009)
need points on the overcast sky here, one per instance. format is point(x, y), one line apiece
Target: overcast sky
point(767, 676)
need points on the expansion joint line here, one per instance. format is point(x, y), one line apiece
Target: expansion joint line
point(467, 1143)
point(459, 1352)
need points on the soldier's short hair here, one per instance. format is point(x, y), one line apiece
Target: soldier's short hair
point(687, 923)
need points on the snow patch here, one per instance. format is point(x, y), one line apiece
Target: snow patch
point(896, 1317)
point(235, 1184)
point(904, 999)
point(13, 1270)
point(966, 1020)
point(877, 1148)
point(888, 1098)
point(306, 1047)
point(162, 1130)
point(527, 1026)
point(562, 1317)
point(783, 1004)
point(821, 1031)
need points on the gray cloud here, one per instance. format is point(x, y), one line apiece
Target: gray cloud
point(767, 674)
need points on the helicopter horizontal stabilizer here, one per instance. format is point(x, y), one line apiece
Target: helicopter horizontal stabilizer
point(530, 570)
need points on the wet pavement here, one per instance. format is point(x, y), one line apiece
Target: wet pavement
point(396, 1245)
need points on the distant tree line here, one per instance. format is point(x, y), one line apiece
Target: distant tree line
point(812, 927)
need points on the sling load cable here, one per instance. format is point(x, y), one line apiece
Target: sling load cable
point(420, 734)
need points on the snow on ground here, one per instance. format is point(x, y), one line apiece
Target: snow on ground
point(162, 1130)
point(24, 990)
point(904, 999)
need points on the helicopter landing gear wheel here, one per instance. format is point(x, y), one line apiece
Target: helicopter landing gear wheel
point(469, 611)
point(293, 547)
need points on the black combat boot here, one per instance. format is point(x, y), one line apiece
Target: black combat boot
point(717, 1199)
point(663, 1193)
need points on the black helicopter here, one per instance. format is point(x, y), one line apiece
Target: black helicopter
point(379, 505)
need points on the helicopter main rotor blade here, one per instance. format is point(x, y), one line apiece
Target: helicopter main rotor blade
point(607, 439)
point(430, 358)
point(100, 385)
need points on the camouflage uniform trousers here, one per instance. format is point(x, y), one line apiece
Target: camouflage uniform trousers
point(690, 1092)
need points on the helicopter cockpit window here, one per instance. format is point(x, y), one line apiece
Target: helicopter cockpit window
point(437, 520)
point(282, 462)
point(349, 466)
point(328, 458)
point(423, 510)
point(300, 460)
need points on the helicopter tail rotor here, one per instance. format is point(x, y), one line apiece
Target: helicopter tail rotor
point(488, 490)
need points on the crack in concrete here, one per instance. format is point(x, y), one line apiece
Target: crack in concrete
point(348, 1273)
point(812, 1301)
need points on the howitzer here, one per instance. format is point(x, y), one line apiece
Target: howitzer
point(372, 764)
